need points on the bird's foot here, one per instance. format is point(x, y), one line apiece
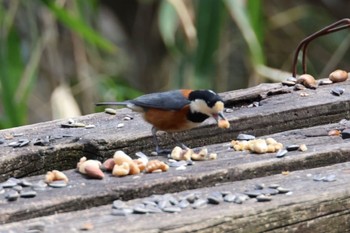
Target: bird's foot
point(162, 151)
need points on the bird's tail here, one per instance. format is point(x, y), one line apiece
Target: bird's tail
point(112, 103)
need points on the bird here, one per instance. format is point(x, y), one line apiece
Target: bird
point(176, 110)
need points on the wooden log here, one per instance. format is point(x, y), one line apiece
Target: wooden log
point(281, 109)
point(230, 166)
point(311, 207)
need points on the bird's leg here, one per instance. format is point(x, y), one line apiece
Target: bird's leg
point(156, 143)
point(183, 146)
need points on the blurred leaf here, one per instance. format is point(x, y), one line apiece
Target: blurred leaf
point(115, 89)
point(28, 77)
point(255, 16)
point(80, 27)
point(210, 14)
point(168, 23)
point(70, 108)
point(240, 14)
point(11, 66)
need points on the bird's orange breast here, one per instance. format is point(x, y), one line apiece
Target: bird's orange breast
point(169, 120)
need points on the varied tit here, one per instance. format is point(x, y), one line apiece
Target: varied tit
point(177, 110)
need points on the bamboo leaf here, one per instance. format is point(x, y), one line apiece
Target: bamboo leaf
point(210, 16)
point(254, 9)
point(168, 23)
point(78, 26)
point(239, 13)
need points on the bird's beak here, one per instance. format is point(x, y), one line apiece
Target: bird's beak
point(218, 116)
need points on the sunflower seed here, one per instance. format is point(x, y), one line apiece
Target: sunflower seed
point(274, 186)
point(183, 204)
point(291, 79)
point(292, 147)
point(172, 209)
point(281, 153)
point(245, 137)
point(199, 203)
point(58, 184)
point(12, 195)
point(345, 133)
point(127, 118)
point(13, 144)
point(239, 199)
point(191, 197)
point(153, 209)
point(181, 168)
point(181, 163)
point(325, 82)
point(9, 183)
point(111, 111)
point(25, 183)
point(122, 212)
point(41, 141)
point(18, 134)
point(299, 87)
point(163, 203)
point(253, 193)
point(215, 199)
point(17, 188)
point(259, 186)
point(172, 200)
point(329, 178)
point(23, 142)
point(263, 198)
point(318, 177)
point(149, 203)
point(71, 121)
point(118, 204)
point(288, 83)
point(140, 209)
point(37, 228)
point(89, 126)
point(270, 191)
point(39, 186)
point(337, 91)
point(230, 197)
point(28, 194)
point(282, 190)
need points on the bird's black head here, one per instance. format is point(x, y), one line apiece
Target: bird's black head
point(208, 96)
point(206, 103)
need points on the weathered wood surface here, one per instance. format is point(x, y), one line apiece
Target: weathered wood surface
point(312, 207)
point(281, 110)
point(230, 166)
point(278, 112)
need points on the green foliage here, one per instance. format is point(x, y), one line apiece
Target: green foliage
point(19, 61)
point(197, 65)
point(209, 18)
point(168, 24)
point(77, 25)
point(199, 35)
point(248, 21)
point(11, 67)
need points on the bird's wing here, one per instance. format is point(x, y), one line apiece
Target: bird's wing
point(169, 100)
point(113, 103)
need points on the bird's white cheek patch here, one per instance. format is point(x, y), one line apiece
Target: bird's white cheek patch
point(218, 107)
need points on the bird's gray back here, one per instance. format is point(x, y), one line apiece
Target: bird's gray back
point(172, 100)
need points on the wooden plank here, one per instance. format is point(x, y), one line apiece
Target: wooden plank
point(230, 166)
point(281, 109)
point(312, 207)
